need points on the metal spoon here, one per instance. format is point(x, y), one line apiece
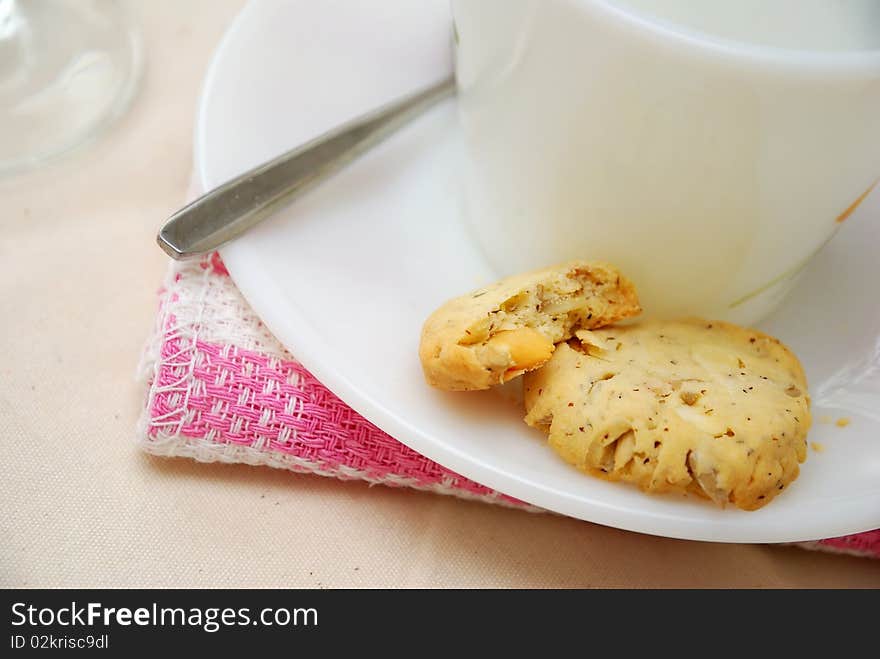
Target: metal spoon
point(228, 211)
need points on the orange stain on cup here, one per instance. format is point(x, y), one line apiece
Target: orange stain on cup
point(852, 207)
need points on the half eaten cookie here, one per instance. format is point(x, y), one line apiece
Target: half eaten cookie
point(499, 332)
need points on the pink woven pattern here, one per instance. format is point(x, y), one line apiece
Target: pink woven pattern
point(249, 399)
point(860, 544)
point(209, 396)
point(221, 388)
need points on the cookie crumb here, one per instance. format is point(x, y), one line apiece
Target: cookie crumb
point(842, 422)
point(817, 447)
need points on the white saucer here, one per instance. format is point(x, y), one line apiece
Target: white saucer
point(345, 277)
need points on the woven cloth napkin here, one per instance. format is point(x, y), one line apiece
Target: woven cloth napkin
point(221, 388)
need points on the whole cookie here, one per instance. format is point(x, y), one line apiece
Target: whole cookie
point(496, 333)
point(705, 407)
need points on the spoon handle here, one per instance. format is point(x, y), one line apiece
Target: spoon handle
point(231, 209)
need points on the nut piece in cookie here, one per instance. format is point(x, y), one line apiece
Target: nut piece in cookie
point(498, 332)
point(705, 407)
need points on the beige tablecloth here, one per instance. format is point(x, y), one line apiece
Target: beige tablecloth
point(82, 507)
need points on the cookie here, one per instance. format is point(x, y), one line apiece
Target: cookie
point(496, 333)
point(682, 406)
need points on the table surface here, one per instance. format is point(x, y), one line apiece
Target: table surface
point(83, 507)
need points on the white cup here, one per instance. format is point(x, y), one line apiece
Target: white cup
point(708, 166)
